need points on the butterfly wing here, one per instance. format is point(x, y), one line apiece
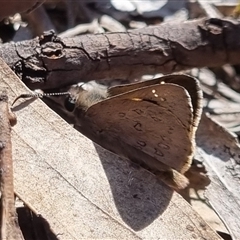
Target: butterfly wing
point(153, 123)
point(192, 86)
point(189, 83)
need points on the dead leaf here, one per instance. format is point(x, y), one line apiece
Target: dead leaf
point(82, 190)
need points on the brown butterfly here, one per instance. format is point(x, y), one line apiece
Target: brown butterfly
point(152, 123)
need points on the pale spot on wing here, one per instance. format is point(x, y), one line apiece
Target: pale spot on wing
point(164, 146)
point(141, 143)
point(137, 99)
point(138, 111)
point(121, 114)
point(138, 126)
point(158, 152)
point(154, 93)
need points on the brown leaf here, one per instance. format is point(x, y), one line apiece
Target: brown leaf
point(82, 190)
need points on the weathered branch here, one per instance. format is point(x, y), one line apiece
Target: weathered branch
point(50, 62)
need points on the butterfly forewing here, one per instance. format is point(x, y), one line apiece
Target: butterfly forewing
point(189, 83)
point(192, 86)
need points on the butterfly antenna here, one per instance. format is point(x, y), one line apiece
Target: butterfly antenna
point(38, 95)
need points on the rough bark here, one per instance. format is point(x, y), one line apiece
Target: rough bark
point(51, 62)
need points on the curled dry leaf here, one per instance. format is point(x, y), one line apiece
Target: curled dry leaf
point(221, 154)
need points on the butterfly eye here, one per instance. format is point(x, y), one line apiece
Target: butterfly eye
point(70, 103)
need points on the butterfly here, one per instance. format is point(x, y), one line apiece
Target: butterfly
point(152, 123)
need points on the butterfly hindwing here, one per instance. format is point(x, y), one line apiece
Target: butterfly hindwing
point(155, 120)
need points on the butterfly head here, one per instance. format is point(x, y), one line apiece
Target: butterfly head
point(84, 95)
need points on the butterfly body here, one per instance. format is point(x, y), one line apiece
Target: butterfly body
point(151, 123)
